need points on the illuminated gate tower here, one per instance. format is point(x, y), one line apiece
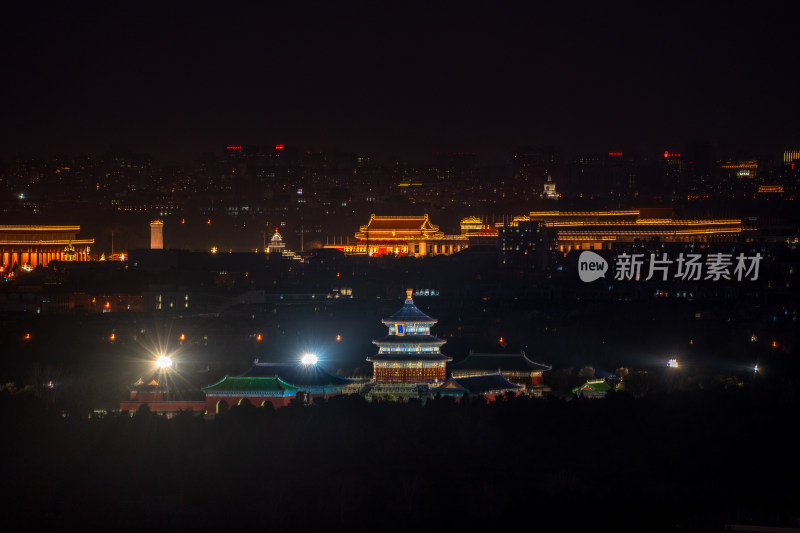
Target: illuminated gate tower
point(409, 353)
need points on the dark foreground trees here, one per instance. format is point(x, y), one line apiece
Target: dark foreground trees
point(692, 460)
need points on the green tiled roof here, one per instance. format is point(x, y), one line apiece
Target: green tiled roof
point(593, 386)
point(245, 385)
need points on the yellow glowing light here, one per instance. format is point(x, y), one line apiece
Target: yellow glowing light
point(164, 362)
point(183, 337)
point(258, 337)
point(338, 338)
point(112, 337)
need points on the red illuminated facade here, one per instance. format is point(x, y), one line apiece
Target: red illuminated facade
point(38, 245)
point(403, 235)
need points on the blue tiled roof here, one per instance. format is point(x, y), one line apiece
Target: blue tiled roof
point(409, 313)
point(297, 374)
point(484, 384)
point(506, 362)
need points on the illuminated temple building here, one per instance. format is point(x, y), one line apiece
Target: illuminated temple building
point(600, 230)
point(38, 245)
point(409, 353)
point(407, 235)
point(515, 367)
point(273, 383)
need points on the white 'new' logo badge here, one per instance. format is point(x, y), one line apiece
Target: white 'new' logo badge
point(591, 266)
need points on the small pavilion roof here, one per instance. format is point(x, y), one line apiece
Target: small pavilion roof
point(506, 362)
point(593, 386)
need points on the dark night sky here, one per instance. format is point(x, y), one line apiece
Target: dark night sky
point(407, 79)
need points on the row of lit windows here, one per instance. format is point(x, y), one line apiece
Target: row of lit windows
point(414, 348)
point(409, 365)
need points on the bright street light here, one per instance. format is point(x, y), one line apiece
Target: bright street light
point(309, 359)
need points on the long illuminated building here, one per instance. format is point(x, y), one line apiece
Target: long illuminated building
point(409, 353)
point(38, 245)
point(570, 230)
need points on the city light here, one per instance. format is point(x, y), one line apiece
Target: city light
point(672, 363)
point(338, 338)
point(164, 362)
point(755, 368)
point(309, 359)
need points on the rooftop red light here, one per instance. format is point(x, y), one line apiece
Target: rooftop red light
point(234, 147)
point(279, 147)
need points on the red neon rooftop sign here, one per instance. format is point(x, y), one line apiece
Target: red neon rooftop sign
point(234, 147)
point(279, 147)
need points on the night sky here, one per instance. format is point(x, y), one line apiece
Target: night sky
point(407, 80)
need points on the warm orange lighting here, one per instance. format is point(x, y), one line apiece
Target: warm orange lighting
point(107, 305)
point(27, 337)
point(774, 344)
point(338, 338)
point(183, 337)
point(183, 221)
point(208, 222)
point(691, 341)
point(112, 337)
point(258, 337)
point(279, 147)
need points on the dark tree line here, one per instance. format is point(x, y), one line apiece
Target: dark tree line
point(689, 460)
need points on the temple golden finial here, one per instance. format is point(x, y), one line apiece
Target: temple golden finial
point(408, 294)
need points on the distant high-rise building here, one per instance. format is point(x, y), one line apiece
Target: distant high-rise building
point(790, 155)
point(157, 235)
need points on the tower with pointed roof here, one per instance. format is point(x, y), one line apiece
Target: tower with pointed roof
point(409, 353)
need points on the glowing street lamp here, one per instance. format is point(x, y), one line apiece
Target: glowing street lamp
point(164, 362)
point(672, 363)
point(755, 369)
point(309, 359)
